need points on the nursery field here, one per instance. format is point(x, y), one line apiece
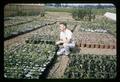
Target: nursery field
point(30, 50)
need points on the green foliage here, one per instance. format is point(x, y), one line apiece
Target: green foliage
point(83, 14)
point(90, 66)
point(27, 61)
point(17, 29)
point(36, 39)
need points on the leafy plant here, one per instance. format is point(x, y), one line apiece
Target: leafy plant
point(90, 66)
point(27, 61)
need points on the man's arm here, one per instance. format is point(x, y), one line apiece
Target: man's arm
point(59, 42)
point(65, 40)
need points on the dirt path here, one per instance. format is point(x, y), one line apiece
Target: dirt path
point(59, 67)
point(59, 16)
point(98, 51)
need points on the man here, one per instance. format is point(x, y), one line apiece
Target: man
point(66, 39)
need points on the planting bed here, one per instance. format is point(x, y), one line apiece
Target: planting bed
point(90, 66)
point(27, 61)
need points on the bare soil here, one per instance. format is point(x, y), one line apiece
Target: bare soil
point(59, 67)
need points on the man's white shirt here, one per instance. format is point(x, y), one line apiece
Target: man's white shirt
point(66, 34)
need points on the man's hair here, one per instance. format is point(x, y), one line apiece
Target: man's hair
point(65, 24)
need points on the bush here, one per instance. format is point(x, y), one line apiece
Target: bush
point(83, 14)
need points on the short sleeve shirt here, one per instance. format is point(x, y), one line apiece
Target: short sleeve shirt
point(66, 34)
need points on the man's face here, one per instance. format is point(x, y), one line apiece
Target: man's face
point(62, 27)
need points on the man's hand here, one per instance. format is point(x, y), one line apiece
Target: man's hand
point(59, 42)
